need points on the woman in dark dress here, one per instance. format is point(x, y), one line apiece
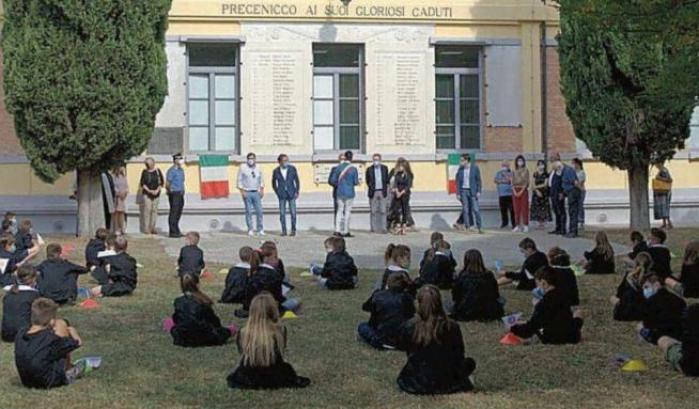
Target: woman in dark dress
point(541, 205)
point(435, 348)
point(262, 344)
point(401, 183)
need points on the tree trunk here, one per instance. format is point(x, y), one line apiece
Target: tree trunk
point(90, 204)
point(638, 198)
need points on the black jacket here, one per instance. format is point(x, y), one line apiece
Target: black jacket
point(598, 263)
point(568, 284)
point(389, 311)
point(437, 368)
point(41, 358)
point(662, 315)
point(122, 275)
point(23, 241)
point(236, 282)
point(94, 246)
point(58, 280)
point(196, 325)
point(630, 306)
point(690, 280)
point(371, 181)
point(525, 277)
point(690, 341)
point(17, 311)
point(476, 297)
point(439, 271)
point(552, 321)
point(340, 270)
point(191, 260)
point(8, 277)
point(266, 278)
point(661, 261)
point(638, 248)
point(412, 288)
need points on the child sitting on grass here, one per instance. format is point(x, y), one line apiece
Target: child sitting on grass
point(238, 276)
point(191, 259)
point(17, 304)
point(267, 278)
point(270, 253)
point(98, 264)
point(684, 355)
point(533, 261)
point(262, 345)
point(438, 267)
point(8, 260)
point(476, 294)
point(58, 278)
point(195, 322)
point(435, 237)
point(9, 223)
point(27, 247)
point(42, 350)
point(553, 321)
point(95, 246)
point(638, 245)
point(601, 259)
point(121, 273)
point(397, 259)
point(390, 308)
point(559, 261)
point(339, 271)
point(628, 301)
point(662, 311)
point(435, 348)
point(659, 253)
point(687, 283)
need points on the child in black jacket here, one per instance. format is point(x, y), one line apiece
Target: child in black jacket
point(662, 311)
point(191, 259)
point(534, 260)
point(601, 259)
point(397, 259)
point(196, 323)
point(269, 279)
point(435, 238)
point(475, 293)
point(339, 271)
point(628, 301)
point(683, 354)
point(238, 276)
point(26, 247)
point(389, 309)
point(122, 276)
point(58, 278)
point(568, 283)
point(553, 321)
point(438, 267)
point(42, 350)
point(659, 253)
point(95, 246)
point(687, 283)
point(8, 260)
point(17, 304)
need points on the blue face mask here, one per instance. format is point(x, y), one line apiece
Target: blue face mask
point(648, 292)
point(13, 248)
point(538, 293)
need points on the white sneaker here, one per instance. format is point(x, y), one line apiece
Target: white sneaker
point(261, 233)
point(515, 230)
point(251, 233)
point(525, 229)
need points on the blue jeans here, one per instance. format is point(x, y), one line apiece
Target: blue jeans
point(291, 304)
point(368, 334)
point(291, 203)
point(470, 208)
point(253, 202)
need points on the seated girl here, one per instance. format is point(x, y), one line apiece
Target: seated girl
point(389, 309)
point(195, 322)
point(262, 344)
point(397, 258)
point(662, 311)
point(435, 348)
point(266, 278)
point(683, 353)
point(687, 284)
point(476, 294)
point(120, 269)
point(438, 267)
point(533, 261)
point(553, 321)
point(568, 283)
point(17, 304)
point(339, 271)
point(238, 276)
point(628, 301)
point(435, 237)
point(638, 244)
point(601, 259)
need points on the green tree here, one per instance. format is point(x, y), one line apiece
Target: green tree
point(84, 80)
point(625, 94)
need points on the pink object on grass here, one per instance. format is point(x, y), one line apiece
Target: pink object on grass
point(233, 329)
point(168, 324)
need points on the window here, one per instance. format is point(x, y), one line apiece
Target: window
point(693, 141)
point(338, 100)
point(458, 97)
point(212, 106)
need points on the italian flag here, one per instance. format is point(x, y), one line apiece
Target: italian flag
point(214, 176)
point(453, 163)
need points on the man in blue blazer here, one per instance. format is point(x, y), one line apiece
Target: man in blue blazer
point(286, 185)
point(468, 191)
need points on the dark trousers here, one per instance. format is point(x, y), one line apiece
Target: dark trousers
point(573, 207)
point(334, 207)
point(559, 211)
point(402, 209)
point(368, 334)
point(506, 208)
point(176, 200)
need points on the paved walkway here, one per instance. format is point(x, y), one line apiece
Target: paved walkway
point(367, 249)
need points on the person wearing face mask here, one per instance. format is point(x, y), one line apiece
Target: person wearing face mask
point(377, 189)
point(661, 312)
point(401, 184)
point(346, 178)
point(8, 259)
point(468, 186)
point(286, 185)
point(252, 189)
point(520, 195)
point(541, 208)
point(557, 197)
point(174, 185)
point(503, 183)
point(571, 192)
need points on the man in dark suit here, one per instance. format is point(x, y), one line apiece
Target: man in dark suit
point(377, 187)
point(286, 185)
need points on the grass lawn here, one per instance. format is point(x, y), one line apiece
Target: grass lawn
point(142, 369)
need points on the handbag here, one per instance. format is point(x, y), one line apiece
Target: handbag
point(661, 186)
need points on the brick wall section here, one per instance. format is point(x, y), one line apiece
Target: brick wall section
point(502, 139)
point(561, 137)
point(9, 144)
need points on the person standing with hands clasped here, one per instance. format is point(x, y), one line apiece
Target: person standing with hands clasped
point(468, 191)
point(503, 183)
point(252, 189)
point(175, 192)
point(151, 183)
point(377, 188)
point(520, 195)
point(286, 185)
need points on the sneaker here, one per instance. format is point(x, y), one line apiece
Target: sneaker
point(251, 233)
point(515, 230)
point(525, 229)
point(293, 233)
point(261, 233)
point(348, 235)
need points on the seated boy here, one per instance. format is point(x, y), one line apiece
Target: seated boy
point(390, 309)
point(95, 246)
point(27, 247)
point(684, 355)
point(553, 321)
point(191, 259)
point(58, 278)
point(659, 253)
point(8, 260)
point(661, 312)
point(339, 271)
point(122, 276)
point(638, 245)
point(533, 261)
point(238, 275)
point(568, 283)
point(42, 351)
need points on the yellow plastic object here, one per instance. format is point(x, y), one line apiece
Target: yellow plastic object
point(306, 274)
point(635, 365)
point(289, 315)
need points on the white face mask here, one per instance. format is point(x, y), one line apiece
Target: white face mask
point(377, 162)
point(180, 162)
point(505, 169)
point(251, 162)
